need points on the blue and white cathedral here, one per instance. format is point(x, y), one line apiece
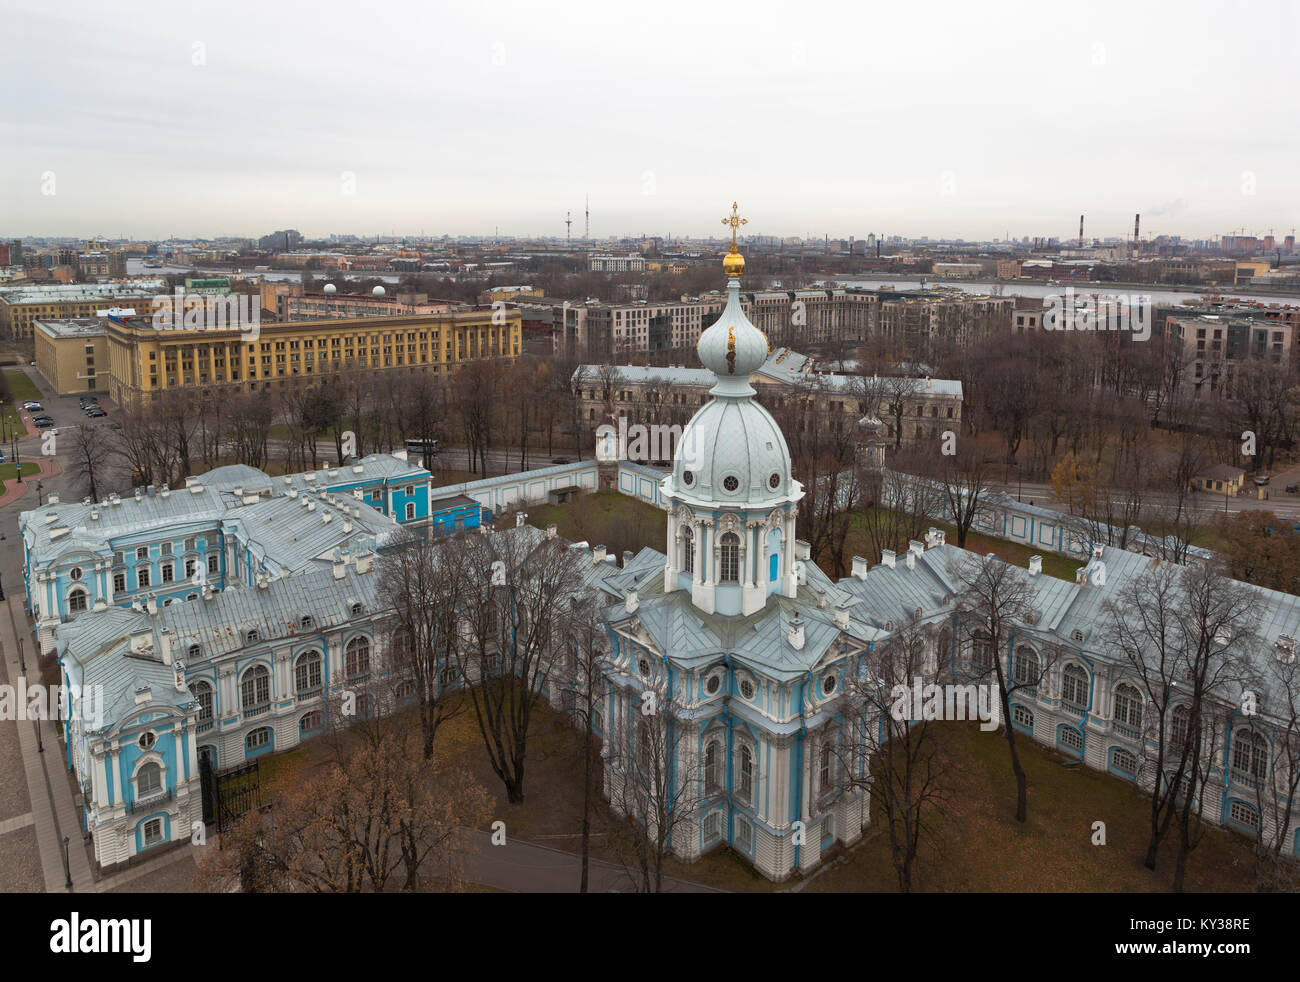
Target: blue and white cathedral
point(742, 641)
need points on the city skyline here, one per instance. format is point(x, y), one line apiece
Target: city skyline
point(970, 124)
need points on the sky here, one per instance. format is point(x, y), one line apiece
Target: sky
point(937, 119)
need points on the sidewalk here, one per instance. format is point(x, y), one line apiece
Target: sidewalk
point(14, 490)
point(53, 813)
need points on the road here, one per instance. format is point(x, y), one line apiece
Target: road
point(1279, 503)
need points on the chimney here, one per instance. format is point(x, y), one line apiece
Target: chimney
point(860, 567)
point(887, 557)
point(550, 531)
point(1098, 572)
point(340, 567)
point(165, 645)
point(627, 557)
point(365, 562)
point(143, 695)
point(802, 550)
point(520, 518)
point(152, 607)
point(914, 547)
point(263, 581)
point(934, 537)
point(53, 499)
point(1081, 576)
point(909, 559)
point(598, 555)
point(630, 603)
point(842, 614)
point(1035, 565)
point(796, 633)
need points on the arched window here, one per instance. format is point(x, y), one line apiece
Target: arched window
point(1128, 707)
point(310, 722)
point(826, 771)
point(307, 673)
point(981, 654)
point(712, 768)
point(148, 780)
point(252, 637)
point(77, 601)
point(255, 689)
point(193, 652)
point(357, 657)
point(203, 696)
point(1025, 671)
point(1178, 727)
point(729, 570)
point(745, 784)
point(1074, 687)
point(688, 551)
point(1249, 757)
point(401, 643)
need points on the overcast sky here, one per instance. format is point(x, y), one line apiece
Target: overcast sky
point(941, 119)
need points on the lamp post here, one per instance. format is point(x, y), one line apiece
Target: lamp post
point(21, 663)
point(40, 495)
point(67, 865)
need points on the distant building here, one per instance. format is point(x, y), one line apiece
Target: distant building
point(1219, 479)
point(21, 306)
point(617, 264)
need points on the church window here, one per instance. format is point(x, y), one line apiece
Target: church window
point(730, 483)
point(712, 826)
point(1074, 687)
point(688, 478)
point(149, 780)
point(828, 684)
point(1128, 707)
point(730, 566)
point(688, 552)
point(744, 834)
point(745, 786)
point(643, 666)
point(747, 688)
point(774, 481)
point(713, 684)
point(712, 768)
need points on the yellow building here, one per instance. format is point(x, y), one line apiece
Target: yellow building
point(143, 360)
point(1220, 479)
point(72, 353)
point(22, 306)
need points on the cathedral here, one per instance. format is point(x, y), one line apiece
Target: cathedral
point(728, 652)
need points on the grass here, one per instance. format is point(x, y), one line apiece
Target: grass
point(977, 845)
point(614, 520)
point(21, 387)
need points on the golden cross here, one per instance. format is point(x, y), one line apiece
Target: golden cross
point(735, 221)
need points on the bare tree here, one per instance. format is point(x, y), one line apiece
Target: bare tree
point(513, 602)
point(908, 777)
point(90, 459)
point(993, 600)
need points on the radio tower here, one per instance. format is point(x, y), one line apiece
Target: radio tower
point(586, 234)
point(568, 227)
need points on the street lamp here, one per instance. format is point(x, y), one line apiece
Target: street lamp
point(40, 496)
point(67, 865)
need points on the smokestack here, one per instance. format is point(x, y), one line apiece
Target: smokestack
point(1137, 242)
point(1080, 231)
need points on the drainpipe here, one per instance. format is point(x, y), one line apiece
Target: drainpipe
point(803, 730)
point(670, 762)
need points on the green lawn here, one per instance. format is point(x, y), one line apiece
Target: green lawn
point(21, 388)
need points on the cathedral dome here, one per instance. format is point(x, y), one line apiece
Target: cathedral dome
point(732, 453)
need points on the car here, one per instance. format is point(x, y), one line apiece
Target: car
point(95, 413)
point(1293, 489)
point(1261, 480)
point(559, 460)
point(43, 423)
point(33, 406)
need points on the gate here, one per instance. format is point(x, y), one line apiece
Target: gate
point(230, 794)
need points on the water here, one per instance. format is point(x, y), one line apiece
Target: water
point(136, 267)
point(1170, 297)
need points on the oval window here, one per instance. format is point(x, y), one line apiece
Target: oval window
point(688, 478)
point(828, 686)
point(730, 483)
point(713, 684)
point(774, 481)
point(747, 688)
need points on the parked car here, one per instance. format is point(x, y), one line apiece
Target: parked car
point(43, 423)
point(33, 406)
point(1293, 489)
point(95, 413)
point(559, 460)
point(1261, 480)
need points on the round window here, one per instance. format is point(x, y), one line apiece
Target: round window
point(730, 483)
point(688, 478)
point(713, 684)
point(643, 667)
point(828, 685)
point(747, 688)
point(75, 572)
point(147, 740)
point(774, 481)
